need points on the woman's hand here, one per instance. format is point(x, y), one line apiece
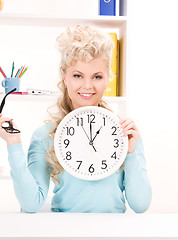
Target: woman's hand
point(130, 130)
point(8, 137)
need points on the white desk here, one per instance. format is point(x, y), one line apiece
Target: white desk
point(85, 225)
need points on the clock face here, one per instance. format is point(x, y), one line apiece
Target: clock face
point(89, 143)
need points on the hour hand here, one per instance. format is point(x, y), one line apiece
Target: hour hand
point(96, 134)
point(92, 140)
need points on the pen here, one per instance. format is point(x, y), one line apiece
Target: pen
point(12, 69)
point(3, 73)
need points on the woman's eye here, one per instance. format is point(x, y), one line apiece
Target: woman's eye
point(98, 77)
point(77, 76)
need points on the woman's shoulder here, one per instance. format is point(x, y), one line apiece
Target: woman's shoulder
point(43, 130)
point(41, 134)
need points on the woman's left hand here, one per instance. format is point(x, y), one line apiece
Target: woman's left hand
point(130, 130)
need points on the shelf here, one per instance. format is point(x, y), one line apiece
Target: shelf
point(56, 21)
point(29, 97)
point(52, 97)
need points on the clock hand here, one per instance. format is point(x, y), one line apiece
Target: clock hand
point(90, 141)
point(93, 147)
point(90, 131)
point(85, 133)
point(96, 134)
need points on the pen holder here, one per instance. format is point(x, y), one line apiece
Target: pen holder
point(11, 83)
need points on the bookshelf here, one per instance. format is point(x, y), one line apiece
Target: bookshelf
point(119, 24)
point(48, 21)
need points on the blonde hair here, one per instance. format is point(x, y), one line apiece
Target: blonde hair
point(81, 43)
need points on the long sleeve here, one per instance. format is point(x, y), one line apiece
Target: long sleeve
point(31, 179)
point(137, 185)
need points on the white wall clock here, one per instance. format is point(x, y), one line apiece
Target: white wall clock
point(89, 143)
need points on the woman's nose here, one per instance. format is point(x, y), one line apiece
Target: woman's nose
point(87, 83)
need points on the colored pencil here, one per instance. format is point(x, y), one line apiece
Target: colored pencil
point(17, 72)
point(12, 69)
point(3, 73)
point(23, 72)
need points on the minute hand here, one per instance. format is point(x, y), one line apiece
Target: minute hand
point(96, 134)
point(85, 133)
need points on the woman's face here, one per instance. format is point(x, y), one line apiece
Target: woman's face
point(86, 82)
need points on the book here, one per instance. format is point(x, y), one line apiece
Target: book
point(111, 89)
point(1, 5)
point(123, 7)
point(107, 7)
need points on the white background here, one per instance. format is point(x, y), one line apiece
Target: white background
point(152, 77)
point(152, 92)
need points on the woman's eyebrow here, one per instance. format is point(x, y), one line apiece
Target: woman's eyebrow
point(77, 71)
point(98, 73)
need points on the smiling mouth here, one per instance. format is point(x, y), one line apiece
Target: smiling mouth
point(86, 95)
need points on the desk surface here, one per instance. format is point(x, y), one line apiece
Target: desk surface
point(88, 225)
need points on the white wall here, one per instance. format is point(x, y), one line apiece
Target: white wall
point(65, 8)
point(152, 92)
point(151, 85)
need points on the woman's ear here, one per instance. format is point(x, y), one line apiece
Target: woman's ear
point(64, 79)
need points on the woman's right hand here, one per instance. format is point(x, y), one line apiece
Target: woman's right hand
point(8, 137)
